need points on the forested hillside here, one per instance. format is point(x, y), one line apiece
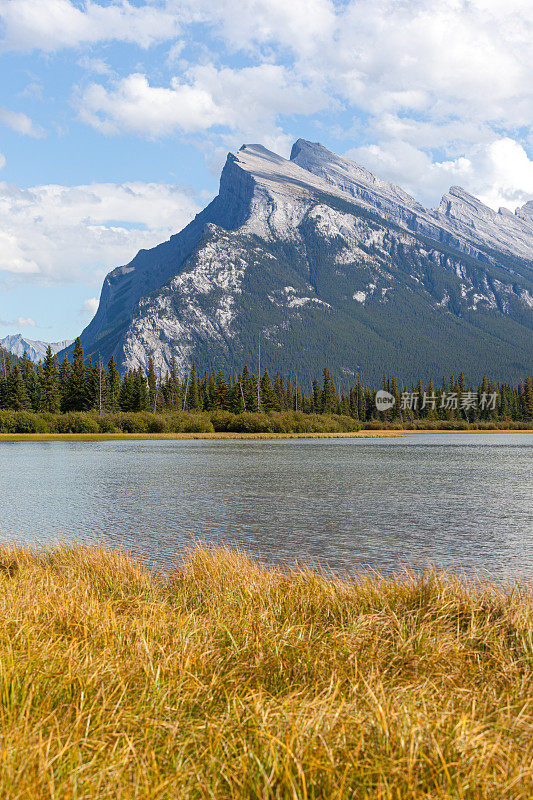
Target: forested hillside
point(52, 387)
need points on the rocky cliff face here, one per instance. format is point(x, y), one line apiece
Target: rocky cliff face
point(330, 265)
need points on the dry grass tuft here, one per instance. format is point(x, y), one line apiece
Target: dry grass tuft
point(228, 680)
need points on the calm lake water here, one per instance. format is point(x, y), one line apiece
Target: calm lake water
point(463, 501)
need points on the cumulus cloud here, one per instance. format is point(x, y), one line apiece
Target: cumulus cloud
point(50, 25)
point(385, 55)
point(440, 81)
point(22, 322)
point(14, 255)
point(89, 308)
point(60, 234)
point(301, 26)
point(206, 97)
point(19, 122)
point(500, 172)
point(506, 174)
point(434, 91)
point(430, 84)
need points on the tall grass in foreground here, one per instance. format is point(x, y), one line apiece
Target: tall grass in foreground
point(228, 680)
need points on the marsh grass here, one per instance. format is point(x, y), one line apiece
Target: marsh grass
point(225, 679)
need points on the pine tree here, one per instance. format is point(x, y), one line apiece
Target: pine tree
point(528, 398)
point(269, 398)
point(50, 399)
point(298, 399)
point(395, 411)
point(29, 376)
point(126, 399)
point(317, 397)
point(3, 377)
point(76, 395)
point(221, 391)
point(16, 390)
point(173, 390)
point(193, 397)
point(92, 381)
point(279, 389)
point(140, 391)
point(113, 386)
point(249, 390)
point(330, 399)
point(65, 371)
point(152, 383)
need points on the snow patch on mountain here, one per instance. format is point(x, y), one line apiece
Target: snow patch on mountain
point(288, 296)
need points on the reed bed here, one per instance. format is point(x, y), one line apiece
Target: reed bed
point(225, 679)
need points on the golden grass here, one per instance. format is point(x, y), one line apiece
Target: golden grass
point(229, 680)
point(363, 434)
point(95, 437)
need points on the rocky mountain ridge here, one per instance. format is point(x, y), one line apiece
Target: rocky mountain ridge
point(330, 265)
point(35, 349)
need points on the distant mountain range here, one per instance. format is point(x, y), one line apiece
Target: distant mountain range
point(36, 350)
point(329, 265)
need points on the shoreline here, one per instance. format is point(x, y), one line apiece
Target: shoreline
point(364, 434)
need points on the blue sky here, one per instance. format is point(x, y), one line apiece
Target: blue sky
point(116, 117)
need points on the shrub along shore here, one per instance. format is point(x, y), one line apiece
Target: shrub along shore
point(225, 679)
point(290, 422)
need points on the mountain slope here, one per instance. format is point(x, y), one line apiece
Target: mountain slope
point(331, 266)
point(36, 350)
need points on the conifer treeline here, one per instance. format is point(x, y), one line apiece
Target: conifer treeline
point(82, 385)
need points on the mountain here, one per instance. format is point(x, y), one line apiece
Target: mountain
point(36, 350)
point(331, 266)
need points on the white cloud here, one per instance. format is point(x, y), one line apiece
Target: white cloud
point(22, 322)
point(19, 122)
point(89, 308)
point(134, 105)
point(61, 234)
point(97, 65)
point(503, 174)
point(500, 172)
point(50, 25)
point(437, 83)
point(14, 255)
point(431, 86)
point(446, 57)
point(446, 86)
point(246, 98)
point(302, 26)
point(2, 160)
point(33, 90)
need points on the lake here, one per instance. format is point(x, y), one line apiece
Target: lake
point(462, 501)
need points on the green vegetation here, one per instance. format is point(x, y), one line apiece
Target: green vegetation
point(17, 422)
point(225, 679)
point(222, 422)
point(83, 397)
